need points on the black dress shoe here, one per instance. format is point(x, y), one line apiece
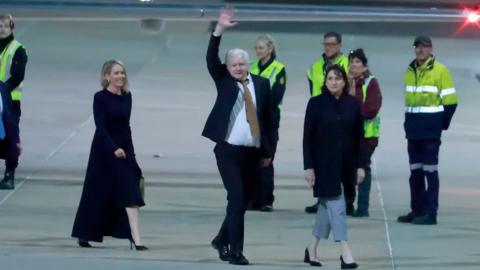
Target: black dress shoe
point(408, 218)
point(8, 181)
point(266, 208)
point(252, 206)
point(238, 259)
point(306, 259)
point(350, 209)
point(223, 250)
point(344, 265)
point(360, 213)
point(312, 209)
point(425, 220)
point(84, 243)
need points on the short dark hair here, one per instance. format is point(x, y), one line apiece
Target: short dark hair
point(334, 34)
point(340, 72)
point(360, 54)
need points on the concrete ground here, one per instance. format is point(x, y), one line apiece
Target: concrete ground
point(173, 94)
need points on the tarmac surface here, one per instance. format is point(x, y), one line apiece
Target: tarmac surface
point(173, 95)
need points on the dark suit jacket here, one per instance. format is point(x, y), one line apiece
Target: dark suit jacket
point(10, 124)
point(216, 126)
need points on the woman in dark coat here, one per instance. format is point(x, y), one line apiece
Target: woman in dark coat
point(332, 133)
point(111, 193)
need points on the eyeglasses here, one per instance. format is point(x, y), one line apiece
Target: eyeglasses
point(330, 44)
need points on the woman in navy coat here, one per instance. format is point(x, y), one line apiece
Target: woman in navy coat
point(111, 193)
point(332, 133)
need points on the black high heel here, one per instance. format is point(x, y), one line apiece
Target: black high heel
point(138, 248)
point(306, 259)
point(344, 265)
point(83, 243)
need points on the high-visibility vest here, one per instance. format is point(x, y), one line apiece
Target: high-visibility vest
point(6, 58)
point(372, 126)
point(428, 87)
point(269, 73)
point(316, 73)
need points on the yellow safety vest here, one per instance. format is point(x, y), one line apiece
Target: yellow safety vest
point(6, 58)
point(269, 73)
point(372, 126)
point(316, 73)
point(428, 88)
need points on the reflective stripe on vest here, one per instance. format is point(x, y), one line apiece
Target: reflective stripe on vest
point(432, 109)
point(316, 73)
point(269, 73)
point(371, 127)
point(6, 59)
point(428, 87)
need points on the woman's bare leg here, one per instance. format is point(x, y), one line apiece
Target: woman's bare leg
point(132, 213)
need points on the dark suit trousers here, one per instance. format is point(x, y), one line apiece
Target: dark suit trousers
point(238, 166)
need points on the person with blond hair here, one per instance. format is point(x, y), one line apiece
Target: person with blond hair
point(13, 61)
point(111, 194)
point(267, 66)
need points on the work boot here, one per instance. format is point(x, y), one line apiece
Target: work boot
point(8, 180)
point(312, 209)
point(408, 218)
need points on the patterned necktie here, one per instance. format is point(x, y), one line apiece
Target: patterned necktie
point(251, 113)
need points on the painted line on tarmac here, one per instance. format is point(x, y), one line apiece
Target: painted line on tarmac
point(382, 204)
point(46, 159)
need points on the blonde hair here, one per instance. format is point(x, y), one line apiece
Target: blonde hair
point(107, 68)
point(267, 39)
point(9, 17)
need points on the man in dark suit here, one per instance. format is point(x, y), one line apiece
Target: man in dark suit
point(241, 125)
point(9, 138)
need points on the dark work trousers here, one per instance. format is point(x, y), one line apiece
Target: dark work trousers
point(423, 157)
point(267, 181)
point(239, 167)
point(16, 109)
point(9, 152)
point(363, 200)
point(11, 159)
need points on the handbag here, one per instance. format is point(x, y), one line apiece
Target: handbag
point(142, 186)
point(141, 181)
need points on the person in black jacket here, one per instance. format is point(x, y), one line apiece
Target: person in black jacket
point(111, 192)
point(241, 125)
point(9, 136)
point(332, 133)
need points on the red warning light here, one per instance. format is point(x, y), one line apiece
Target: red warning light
point(473, 17)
